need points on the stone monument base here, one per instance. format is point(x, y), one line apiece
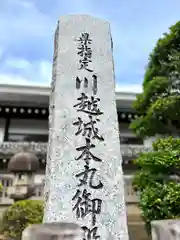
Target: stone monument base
point(53, 231)
point(166, 229)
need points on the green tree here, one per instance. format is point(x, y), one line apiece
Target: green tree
point(158, 104)
point(158, 107)
point(160, 62)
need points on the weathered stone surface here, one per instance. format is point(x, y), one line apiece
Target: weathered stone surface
point(166, 230)
point(53, 231)
point(101, 187)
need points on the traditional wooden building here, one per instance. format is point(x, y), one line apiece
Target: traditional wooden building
point(24, 114)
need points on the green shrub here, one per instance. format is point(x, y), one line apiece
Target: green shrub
point(160, 202)
point(20, 215)
point(159, 193)
point(167, 144)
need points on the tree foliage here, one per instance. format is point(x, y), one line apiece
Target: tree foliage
point(20, 215)
point(162, 60)
point(157, 182)
point(158, 105)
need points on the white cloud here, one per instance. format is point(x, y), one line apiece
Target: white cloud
point(15, 62)
point(24, 3)
point(13, 79)
point(17, 70)
point(45, 69)
point(134, 88)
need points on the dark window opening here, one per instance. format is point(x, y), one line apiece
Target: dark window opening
point(131, 140)
point(27, 137)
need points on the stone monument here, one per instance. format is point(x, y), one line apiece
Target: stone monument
point(84, 180)
point(168, 229)
point(53, 231)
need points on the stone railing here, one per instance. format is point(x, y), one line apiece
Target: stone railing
point(10, 148)
point(130, 195)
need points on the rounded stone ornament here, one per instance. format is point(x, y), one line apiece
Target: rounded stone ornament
point(23, 162)
point(23, 165)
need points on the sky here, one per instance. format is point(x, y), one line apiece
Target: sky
point(27, 30)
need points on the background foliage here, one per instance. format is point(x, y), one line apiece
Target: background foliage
point(158, 107)
point(157, 182)
point(20, 215)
